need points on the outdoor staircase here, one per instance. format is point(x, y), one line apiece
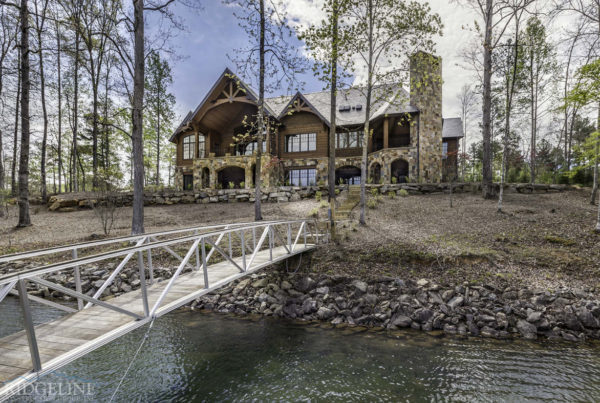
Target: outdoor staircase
point(343, 211)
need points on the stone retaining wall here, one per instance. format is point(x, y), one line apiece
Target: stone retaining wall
point(71, 202)
point(391, 303)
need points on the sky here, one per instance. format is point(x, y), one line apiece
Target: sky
point(213, 34)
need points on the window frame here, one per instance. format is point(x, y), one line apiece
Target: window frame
point(301, 142)
point(444, 150)
point(344, 140)
point(188, 146)
point(201, 141)
point(305, 176)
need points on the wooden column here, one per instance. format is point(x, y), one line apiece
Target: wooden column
point(386, 136)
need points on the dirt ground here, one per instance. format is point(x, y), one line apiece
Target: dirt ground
point(541, 240)
point(52, 228)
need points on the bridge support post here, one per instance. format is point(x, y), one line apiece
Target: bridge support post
point(289, 237)
point(77, 276)
point(197, 255)
point(150, 266)
point(270, 243)
point(204, 264)
point(143, 283)
point(29, 329)
point(243, 249)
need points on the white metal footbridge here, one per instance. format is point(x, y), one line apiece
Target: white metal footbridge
point(214, 256)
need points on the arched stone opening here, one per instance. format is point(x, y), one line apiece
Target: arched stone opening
point(347, 175)
point(231, 175)
point(400, 170)
point(375, 173)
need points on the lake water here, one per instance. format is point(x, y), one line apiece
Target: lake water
point(193, 356)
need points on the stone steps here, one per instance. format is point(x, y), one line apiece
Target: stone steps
point(343, 212)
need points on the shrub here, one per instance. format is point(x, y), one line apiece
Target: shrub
point(314, 212)
point(374, 192)
point(242, 185)
point(231, 185)
point(337, 191)
point(372, 203)
point(402, 193)
point(394, 180)
point(392, 194)
point(318, 195)
point(324, 204)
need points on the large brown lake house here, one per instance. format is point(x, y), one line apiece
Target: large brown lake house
point(410, 142)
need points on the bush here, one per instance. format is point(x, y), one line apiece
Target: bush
point(324, 204)
point(402, 193)
point(231, 185)
point(314, 212)
point(374, 192)
point(318, 195)
point(372, 203)
point(394, 180)
point(242, 185)
point(392, 194)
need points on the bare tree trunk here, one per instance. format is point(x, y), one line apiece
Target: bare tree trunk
point(261, 123)
point(332, 118)
point(40, 19)
point(367, 129)
point(24, 219)
point(74, 173)
point(533, 123)
point(158, 145)
point(487, 184)
point(59, 117)
point(137, 223)
point(596, 162)
point(13, 173)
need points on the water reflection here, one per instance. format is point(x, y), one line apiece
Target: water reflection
point(193, 356)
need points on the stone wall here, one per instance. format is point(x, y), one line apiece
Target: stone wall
point(71, 202)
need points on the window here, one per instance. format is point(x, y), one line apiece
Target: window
point(249, 148)
point(444, 150)
point(189, 143)
point(201, 146)
point(302, 177)
point(349, 139)
point(295, 143)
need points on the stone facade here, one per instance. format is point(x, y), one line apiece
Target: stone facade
point(426, 94)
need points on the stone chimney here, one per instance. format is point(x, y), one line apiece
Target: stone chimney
point(426, 95)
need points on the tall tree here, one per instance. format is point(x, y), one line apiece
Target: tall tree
point(7, 40)
point(59, 116)
point(495, 16)
point(268, 32)
point(160, 102)
point(24, 219)
point(538, 60)
point(40, 21)
point(510, 67)
point(384, 30)
point(467, 99)
point(328, 43)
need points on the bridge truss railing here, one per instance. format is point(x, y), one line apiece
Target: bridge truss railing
point(237, 243)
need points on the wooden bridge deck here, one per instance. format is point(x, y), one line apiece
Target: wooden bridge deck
point(75, 334)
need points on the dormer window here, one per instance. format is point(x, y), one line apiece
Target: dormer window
point(189, 145)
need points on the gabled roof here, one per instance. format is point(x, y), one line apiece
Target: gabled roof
point(289, 107)
point(354, 99)
point(227, 73)
point(452, 128)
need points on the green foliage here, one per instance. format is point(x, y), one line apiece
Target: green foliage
point(231, 185)
point(314, 212)
point(402, 193)
point(392, 194)
point(372, 203)
point(394, 180)
point(323, 204)
point(374, 192)
point(318, 195)
point(242, 185)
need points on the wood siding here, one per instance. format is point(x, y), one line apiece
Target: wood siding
point(303, 122)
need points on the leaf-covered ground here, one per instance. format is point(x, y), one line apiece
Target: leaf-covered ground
point(540, 240)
